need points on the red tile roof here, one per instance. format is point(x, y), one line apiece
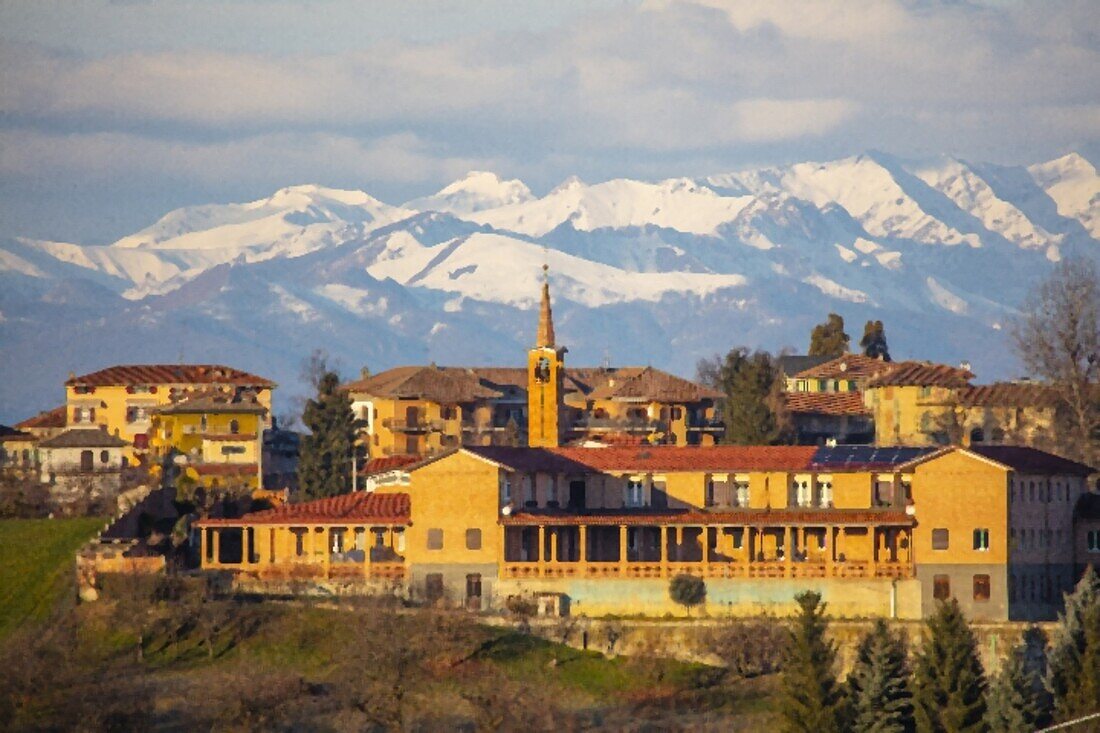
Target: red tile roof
point(848, 366)
point(124, 374)
point(387, 463)
point(920, 374)
point(651, 458)
point(356, 508)
point(54, 418)
point(1008, 394)
point(754, 517)
point(826, 403)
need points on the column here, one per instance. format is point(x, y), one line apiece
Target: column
point(541, 551)
point(554, 544)
point(502, 556)
point(622, 549)
point(829, 547)
point(788, 551)
point(326, 557)
point(582, 551)
point(874, 552)
point(706, 546)
point(662, 532)
point(203, 539)
point(217, 546)
point(839, 542)
point(746, 535)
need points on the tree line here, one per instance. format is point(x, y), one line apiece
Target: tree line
point(943, 687)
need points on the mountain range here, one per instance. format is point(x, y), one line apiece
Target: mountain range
point(943, 251)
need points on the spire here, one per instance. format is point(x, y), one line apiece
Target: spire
point(546, 318)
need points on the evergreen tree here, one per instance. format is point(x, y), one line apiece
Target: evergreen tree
point(1016, 701)
point(753, 409)
point(812, 700)
point(873, 342)
point(1083, 697)
point(1070, 645)
point(948, 681)
point(829, 339)
point(325, 454)
point(879, 697)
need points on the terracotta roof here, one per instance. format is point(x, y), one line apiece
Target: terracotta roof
point(1008, 394)
point(755, 517)
point(1031, 460)
point(214, 400)
point(225, 469)
point(452, 385)
point(650, 458)
point(54, 418)
point(826, 403)
point(357, 508)
point(848, 366)
point(84, 438)
point(387, 463)
point(124, 374)
point(920, 374)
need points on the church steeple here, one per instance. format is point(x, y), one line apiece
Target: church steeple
point(545, 337)
point(545, 367)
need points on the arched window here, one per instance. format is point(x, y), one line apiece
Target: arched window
point(977, 435)
point(234, 426)
point(104, 456)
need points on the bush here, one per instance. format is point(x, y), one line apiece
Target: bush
point(687, 590)
point(749, 648)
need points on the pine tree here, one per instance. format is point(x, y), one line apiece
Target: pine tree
point(1083, 697)
point(948, 681)
point(879, 696)
point(1070, 646)
point(829, 339)
point(1016, 701)
point(324, 460)
point(752, 410)
point(873, 342)
point(812, 699)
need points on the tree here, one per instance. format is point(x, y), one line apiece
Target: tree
point(1070, 645)
point(873, 342)
point(324, 461)
point(879, 695)
point(811, 697)
point(1017, 701)
point(829, 339)
point(948, 681)
point(753, 409)
point(1058, 340)
point(687, 590)
point(1083, 697)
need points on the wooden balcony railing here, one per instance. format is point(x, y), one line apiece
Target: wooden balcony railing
point(737, 569)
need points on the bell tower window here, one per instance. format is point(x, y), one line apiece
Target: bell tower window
point(542, 370)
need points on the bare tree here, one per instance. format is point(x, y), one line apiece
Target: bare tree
point(1058, 339)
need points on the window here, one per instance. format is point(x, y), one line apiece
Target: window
point(299, 542)
point(232, 449)
point(448, 412)
point(435, 539)
point(473, 539)
point(941, 587)
point(717, 492)
point(742, 492)
point(1094, 540)
point(676, 413)
point(884, 492)
point(940, 538)
point(981, 540)
point(981, 587)
point(433, 587)
point(803, 492)
point(104, 456)
point(505, 488)
point(635, 493)
point(542, 370)
point(87, 460)
point(202, 423)
point(826, 488)
point(234, 426)
point(528, 491)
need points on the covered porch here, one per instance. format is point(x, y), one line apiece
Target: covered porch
point(748, 544)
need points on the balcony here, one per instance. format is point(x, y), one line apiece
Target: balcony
point(706, 426)
point(724, 569)
point(619, 425)
point(418, 426)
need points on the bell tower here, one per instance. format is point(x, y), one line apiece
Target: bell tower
point(545, 364)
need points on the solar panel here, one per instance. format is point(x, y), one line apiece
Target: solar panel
point(857, 455)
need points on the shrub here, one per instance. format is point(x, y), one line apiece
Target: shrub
point(687, 590)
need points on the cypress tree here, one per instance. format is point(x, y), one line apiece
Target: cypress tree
point(1069, 644)
point(879, 696)
point(829, 339)
point(325, 454)
point(948, 681)
point(873, 342)
point(812, 700)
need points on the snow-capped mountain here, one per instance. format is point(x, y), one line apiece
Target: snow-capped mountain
point(941, 250)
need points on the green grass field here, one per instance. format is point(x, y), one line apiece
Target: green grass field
point(36, 565)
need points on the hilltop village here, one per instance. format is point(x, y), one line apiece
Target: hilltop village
point(583, 489)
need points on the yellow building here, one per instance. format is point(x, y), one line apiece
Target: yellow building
point(879, 532)
point(214, 437)
point(426, 410)
point(121, 399)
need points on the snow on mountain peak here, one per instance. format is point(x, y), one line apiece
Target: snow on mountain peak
point(1072, 182)
point(476, 191)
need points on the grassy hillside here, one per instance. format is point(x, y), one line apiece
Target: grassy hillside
point(36, 565)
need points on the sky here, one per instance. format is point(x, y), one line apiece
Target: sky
point(115, 112)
